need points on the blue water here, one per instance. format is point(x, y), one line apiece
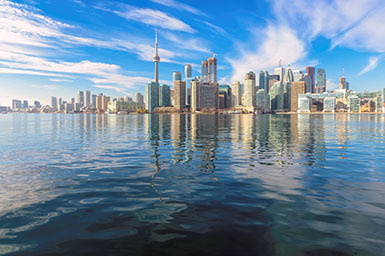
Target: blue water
point(174, 184)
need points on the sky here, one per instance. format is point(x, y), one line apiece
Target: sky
point(56, 48)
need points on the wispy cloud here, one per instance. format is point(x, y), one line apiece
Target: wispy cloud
point(60, 80)
point(373, 62)
point(180, 6)
point(148, 16)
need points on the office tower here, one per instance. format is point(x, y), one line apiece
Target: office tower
point(60, 101)
point(203, 96)
point(179, 94)
point(342, 83)
point(249, 89)
point(311, 72)
point(286, 95)
point(105, 101)
point(93, 101)
point(87, 99)
point(224, 92)
point(127, 98)
point(53, 102)
point(297, 88)
point(276, 96)
point(152, 96)
point(205, 72)
point(156, 57)
point(262, 100)
point(187, 71)
point(321, 80)
point(353, 104)
point(289, 77)
point(16, 104)
point(280, 72)
point(25, 104)
point(138, 98)
point(36, 104)
point(164, 95)
point(297, 75)
point(99, 102)
point(176, 76)
point(68, 107)
point(347, 85)
point(72, 100)
point(307, 79)
point(264, 80)
point(272, 80)
point(236, 94)
point(80, 98)
point(212, 69)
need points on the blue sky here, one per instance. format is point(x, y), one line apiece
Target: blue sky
point(55, 48)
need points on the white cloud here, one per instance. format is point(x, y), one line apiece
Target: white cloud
point(150, 17)
point(373, 61)
point(60, 80)
point(178, 5)
point(191, 44)
point(280, 43)
point(28, 72)
point(331, 85)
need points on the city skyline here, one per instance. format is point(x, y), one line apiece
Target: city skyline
point(49, 52)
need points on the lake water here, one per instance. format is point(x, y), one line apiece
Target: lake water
point(175, 184)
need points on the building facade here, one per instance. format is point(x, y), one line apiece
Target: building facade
point(138, 98)
point(249, 90)
point(297, 88)
point(164, 95)
point(152, 96)
point(236, 94)
point(179, 94)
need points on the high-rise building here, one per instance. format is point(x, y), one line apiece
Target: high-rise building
point(249, 89)
point(73, 101)
point(236, 94)
point(25, 104)
point(93, 101)
point(99, 102)
point(321, 80)
point(263, 80)
point(87, 99)
point(164, 95)
point(36, 104)
point(187, 71)
point(203, 95)
point(297, 88)
point(297, 74)
point(289, 77)
point(156, 58)
point(276, 96)
point(308, 84)
point(105, 100)
point(212, 69)
point(342, 84)
point(205, 72)
point(60, 101)
point(224, 92)
point(152, 96)
point(311, 72)
point(127, 98)
point(353, 104)
point(329, 102)
point(179, 94)
point(53, 102)
point(80, 98)
point(280, 72)
point(176, 76)
point(16, 104)
point(138, 98)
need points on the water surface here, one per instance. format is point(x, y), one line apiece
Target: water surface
point(175, 184)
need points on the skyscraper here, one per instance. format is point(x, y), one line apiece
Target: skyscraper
point(138, 98)
point(236, 94)
point(53, 102)
point(176, 76)
point(179, 94)
point(16, 104)
point(187, 71)
point(281, 72)
point(205, 72)
point(164, 95)
point(311, 72)
point(212, 69)
point(99, 103)
point(87, 99)
point(264, 80)
point(156, 57)
point(289, 77)
point(93, 101)
point(25, 104)
point(308, 84)
point(297, 88)
point(342, 84)
point(249, 89)
point(80, 98)
point(321, 80)
point(297, 75)
point(152, 96)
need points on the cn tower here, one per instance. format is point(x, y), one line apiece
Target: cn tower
point(156, 57)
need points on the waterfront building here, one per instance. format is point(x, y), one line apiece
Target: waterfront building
point(99, 102)
point(68, 107)
point(286, 95)
point(212, 69)
point(93, 101)
point(25, 104)
point(263, 80)
point(249, 90)
point(262, 100)
point(304, 103)
point(272, 80)
point(152, 96)
point(105, 100)
point(383, 100)
point(311, 72)
point(276, 97)
point(204, 71)
point(297, 75)
point(73, 100)
point(321, 80)
point(224, 96)
point(308, 84)
point(116, 106)
point(378, 101)
point(353, 104)
point(53, 102)
point(289, 77)
point(164, 95)
point(80, 98)
point(179, 94)
point(138, 98)
point(87, 99)
point(16, 104)
point(297, 88)
point(342, 83)
point(176, 76)
point(329, 104)
point(156, 58)
point(203, 95)
point(236, 94)
point(60, 101)
point(127, 98)
point(36, 104)
point(187, 71)
point(280, 72)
